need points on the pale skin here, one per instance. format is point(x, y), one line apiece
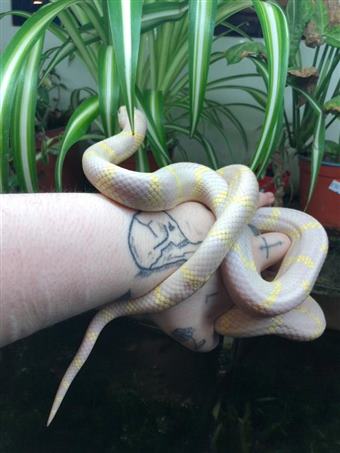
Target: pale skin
point(64, 254)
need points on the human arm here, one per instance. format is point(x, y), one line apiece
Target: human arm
point(63, 254)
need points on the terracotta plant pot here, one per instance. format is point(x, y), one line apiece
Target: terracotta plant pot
point(325, 202)
point(267, 183)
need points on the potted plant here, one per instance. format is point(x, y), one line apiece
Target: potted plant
point(50, 122)
point(158, 60)
point(315, 105)
point(323, 34)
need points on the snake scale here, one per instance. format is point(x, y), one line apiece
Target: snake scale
point(282, 306)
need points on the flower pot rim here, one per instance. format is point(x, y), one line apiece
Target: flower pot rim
point(323, 162)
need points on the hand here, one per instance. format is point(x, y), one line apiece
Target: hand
point(191, 323)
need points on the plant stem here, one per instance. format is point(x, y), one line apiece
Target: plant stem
point(295, 123)
point(327, 73)
point(290, 138)
point(316, 54)
point(331, 121)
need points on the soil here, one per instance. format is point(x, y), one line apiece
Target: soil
point(142, 392)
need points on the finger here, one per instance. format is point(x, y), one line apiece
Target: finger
point(269, 248)
point(265, 199)
point(191, 322)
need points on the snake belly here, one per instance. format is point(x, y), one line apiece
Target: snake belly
point(231, 195)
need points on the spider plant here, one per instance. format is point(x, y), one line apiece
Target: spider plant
point(315, 104)
point(153, 54)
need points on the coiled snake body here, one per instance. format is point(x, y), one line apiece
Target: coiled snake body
point(282, 306)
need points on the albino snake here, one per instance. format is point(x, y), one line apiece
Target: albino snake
point(281, 307)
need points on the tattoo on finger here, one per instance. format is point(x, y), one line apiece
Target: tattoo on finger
point(267, 246)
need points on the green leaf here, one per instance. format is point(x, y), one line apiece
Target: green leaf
point(84, 51)
point(156, 13)
point(209, 150)
point(76, 128)
point(332, 35)
point(227, 8)
point(318, 146)
point(55, 29)
point(108, 89)
point(298, 15)
point(11, 62)
point(258, 95)
point(23, 135)
point(174, 69)
point(125, 22)
point(142, 163)
point(201, 27)
point(151, 104)
point(154, 104)
point(233, 119)
point(320, 15)
point(244, 104)
point(318, 23)
point(62, 52)
point(332, 149)
point(276, 37)
point(76, 98)
point(333, 106)
point(233, 77)
point(95, 20)
point(245, 49)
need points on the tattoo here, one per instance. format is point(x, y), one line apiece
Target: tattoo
point(169, 245)
point(210, 296)
point(126, 296)
point(267, 246)
point(254, 230)
point(185, 335)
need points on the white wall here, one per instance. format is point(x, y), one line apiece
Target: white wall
point(74, 76)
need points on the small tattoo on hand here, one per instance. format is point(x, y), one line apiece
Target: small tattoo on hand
point(185, 335)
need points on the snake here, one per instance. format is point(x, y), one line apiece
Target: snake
point(283, 306)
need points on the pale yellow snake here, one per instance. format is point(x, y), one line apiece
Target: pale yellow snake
point(283, 306)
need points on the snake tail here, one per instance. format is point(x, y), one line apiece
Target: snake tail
point(102, 318)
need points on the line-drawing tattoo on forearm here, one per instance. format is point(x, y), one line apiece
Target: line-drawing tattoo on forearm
point(168, 244)
point(186, 335)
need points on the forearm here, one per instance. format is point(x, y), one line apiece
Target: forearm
point(63, 254)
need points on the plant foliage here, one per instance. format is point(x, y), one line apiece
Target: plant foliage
point(153, 54)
